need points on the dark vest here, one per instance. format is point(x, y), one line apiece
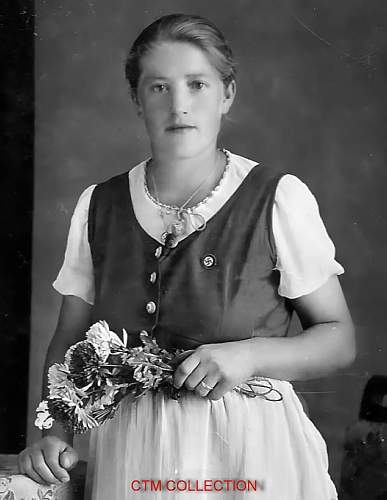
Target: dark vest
point(216, 285)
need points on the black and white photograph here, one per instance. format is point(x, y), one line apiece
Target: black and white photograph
point(193, 251)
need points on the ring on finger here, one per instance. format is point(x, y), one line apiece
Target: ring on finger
point(206, 386)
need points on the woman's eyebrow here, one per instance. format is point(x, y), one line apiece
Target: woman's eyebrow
point(161, 77)
point(197, 75)
point(154, 77)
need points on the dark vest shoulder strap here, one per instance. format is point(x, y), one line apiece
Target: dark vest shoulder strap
point(114, 190)
point(261, 186)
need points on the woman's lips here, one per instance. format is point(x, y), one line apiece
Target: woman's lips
point(180, 128)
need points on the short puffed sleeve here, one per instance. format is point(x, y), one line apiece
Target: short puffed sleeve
point(305, 252)
point(76, 275)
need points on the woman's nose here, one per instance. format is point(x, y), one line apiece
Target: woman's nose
point(179, 101)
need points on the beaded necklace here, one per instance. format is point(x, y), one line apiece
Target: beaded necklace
point(184, 215)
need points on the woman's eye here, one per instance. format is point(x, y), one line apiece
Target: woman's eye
point(159, 87)
point(197, 85)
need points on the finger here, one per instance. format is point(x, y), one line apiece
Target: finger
point(181, 357)
point(184, 370)
point(68, 459)
point(195, 377)
point(206, 386)
point(28, 470)
point(52, 460)
point(219, 391)
point(41, 468)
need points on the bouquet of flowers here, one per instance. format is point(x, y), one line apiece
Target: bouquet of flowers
point(99, 371)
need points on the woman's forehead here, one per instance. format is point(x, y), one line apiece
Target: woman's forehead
point(169, 59)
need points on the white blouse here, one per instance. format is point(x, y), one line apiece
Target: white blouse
point(305, 252)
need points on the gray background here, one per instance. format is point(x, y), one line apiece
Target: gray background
point(311, 100)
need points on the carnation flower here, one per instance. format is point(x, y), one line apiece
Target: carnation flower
point(83, 363)
point(59, 383)
point(99, 336)
point(57, 374)
point(43, 419)
point(71, 415)
point(104, 339)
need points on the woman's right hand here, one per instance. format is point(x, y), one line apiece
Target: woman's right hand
point(48, 461)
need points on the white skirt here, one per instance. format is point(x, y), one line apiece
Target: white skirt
point(237, 447)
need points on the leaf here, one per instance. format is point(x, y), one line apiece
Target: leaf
point(148, 341)
point(125, 336)
point(115, 340)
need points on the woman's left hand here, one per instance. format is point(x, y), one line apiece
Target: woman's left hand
point(214, 369)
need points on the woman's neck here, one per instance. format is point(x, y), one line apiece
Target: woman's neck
point(174, 180)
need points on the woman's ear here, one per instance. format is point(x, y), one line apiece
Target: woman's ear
point(138, 108)
point(137, 104)
point(229, 95)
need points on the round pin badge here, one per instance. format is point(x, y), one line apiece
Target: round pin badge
point(209, 261)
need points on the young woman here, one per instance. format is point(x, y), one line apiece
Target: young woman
point(210, 252)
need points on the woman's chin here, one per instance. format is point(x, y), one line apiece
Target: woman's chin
point(181, 148)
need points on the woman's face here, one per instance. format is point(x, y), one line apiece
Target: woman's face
point(182, 99)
